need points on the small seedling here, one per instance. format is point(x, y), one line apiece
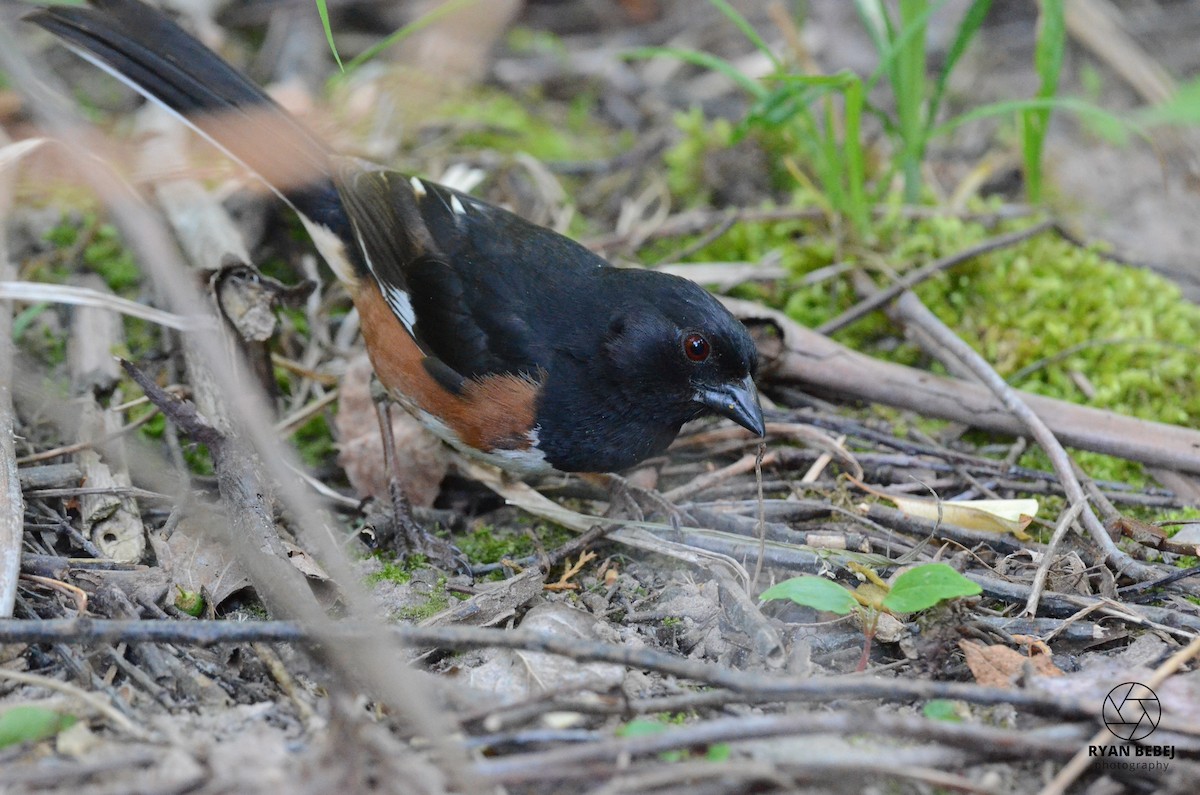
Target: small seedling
point(28, 724)
point(644, 727)
point(919, 588)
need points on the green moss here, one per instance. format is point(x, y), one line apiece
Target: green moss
point(40, 339)
point(198, 459)
point(397, 570)
point(107, 255)
point(97, 245)
point(314, 441)
point(154, 427)
point(439, 600)
point(527, 41)
point(503, 123)
point(486, 544)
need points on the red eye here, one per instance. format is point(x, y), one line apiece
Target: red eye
point(696, 348)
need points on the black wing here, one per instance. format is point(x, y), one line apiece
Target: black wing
point(475, 285)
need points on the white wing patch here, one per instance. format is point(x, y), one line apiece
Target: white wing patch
point(418, 187)
point(401, 304)
point(456, 206)
point(396, 298)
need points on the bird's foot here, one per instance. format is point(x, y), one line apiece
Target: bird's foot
point(408, 532)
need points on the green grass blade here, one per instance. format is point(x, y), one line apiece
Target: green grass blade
point(403, 33)
point(1079, 107)
point(908, 84)
point(743, 24)
point(967, 29)
point(1048, 57)
point(706, 60)
point(856, 161)
point(874, 17)
point(829, 164)
point(323, 11)
point(897, 40)
point(1182, 108)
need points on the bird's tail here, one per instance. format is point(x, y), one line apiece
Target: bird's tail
point(152, 54)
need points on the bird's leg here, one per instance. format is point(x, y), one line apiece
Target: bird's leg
point(417, 540)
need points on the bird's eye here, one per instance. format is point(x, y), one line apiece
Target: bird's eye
point(696, 348)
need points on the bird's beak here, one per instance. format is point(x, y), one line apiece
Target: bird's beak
point(738, 401)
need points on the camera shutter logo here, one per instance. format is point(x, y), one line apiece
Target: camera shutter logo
point(1131, 711)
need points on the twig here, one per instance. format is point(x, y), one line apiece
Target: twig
point(122, 491)
point(739, 467)
point(915, 312)
point(747, 683)
point(722, 226)
point(632, 534)
point(67, 449)
point(76, 593)
point(1130, 591)
point(984, 741)
point(915, 277)
point(12, 504)
point(1172, 622)
point(291, 423)
point(1048, 557)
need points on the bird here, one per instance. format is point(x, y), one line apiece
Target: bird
point(516, 345)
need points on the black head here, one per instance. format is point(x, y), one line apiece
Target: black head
point(676, 346)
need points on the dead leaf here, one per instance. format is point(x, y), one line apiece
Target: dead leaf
point(993, 516)
point(305, 563)
point(423, 458)
point(195, 562)
point(999, 666)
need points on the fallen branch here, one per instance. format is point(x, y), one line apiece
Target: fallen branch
point(801, 356)
point(748, 683)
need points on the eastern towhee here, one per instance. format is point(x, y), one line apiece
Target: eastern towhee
point(511, 342)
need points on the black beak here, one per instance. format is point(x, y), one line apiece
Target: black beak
point(738, 401)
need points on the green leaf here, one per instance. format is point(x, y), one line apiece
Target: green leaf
point(815, 592)
point(28, 724)
point(641, 728)
point(942, 709)
point(25, 318)
point(190, 602)
point(718, 752)
point(924, 586)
